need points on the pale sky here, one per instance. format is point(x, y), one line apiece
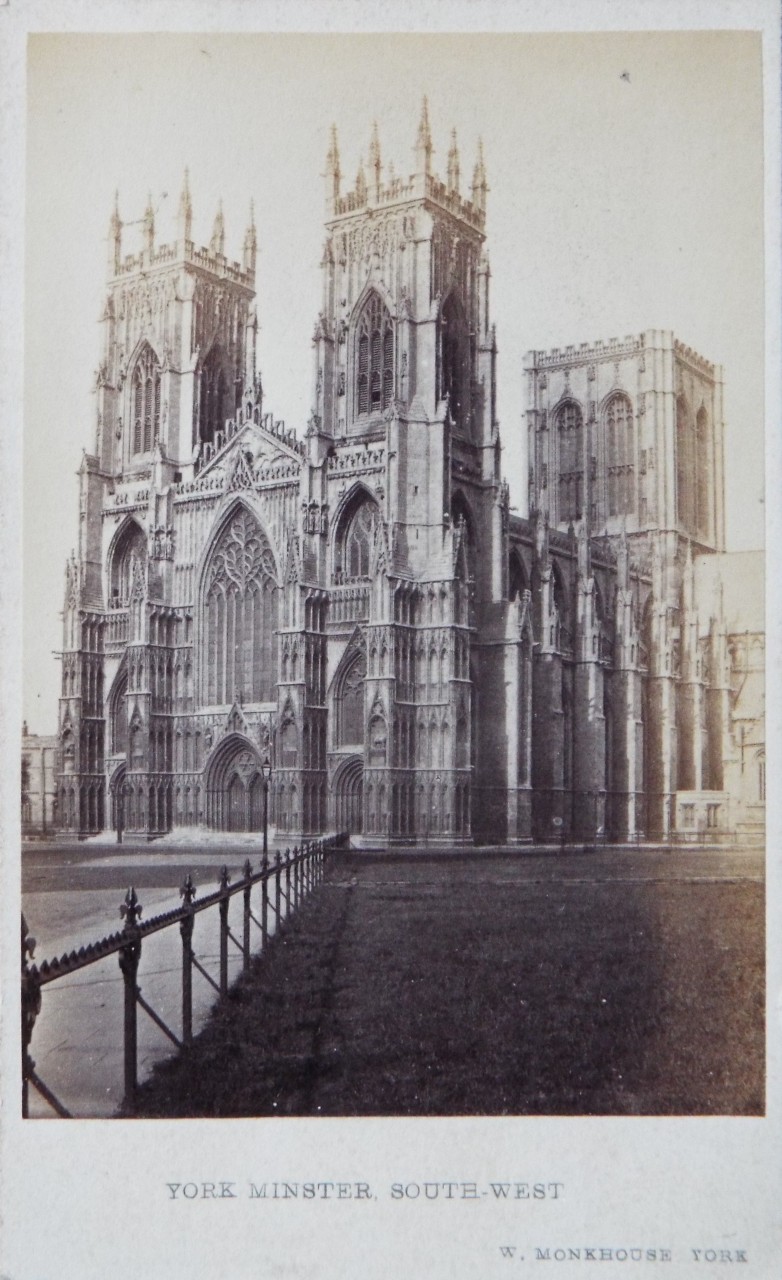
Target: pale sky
point(617, 203)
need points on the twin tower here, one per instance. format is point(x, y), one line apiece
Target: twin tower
point(355, 603)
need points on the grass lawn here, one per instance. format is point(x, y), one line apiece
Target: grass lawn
point(492, 986)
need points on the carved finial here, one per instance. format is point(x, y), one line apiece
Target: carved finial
point(28, 944)
point(453, 164)
point(479, 186)
point(374, 157)
point(423, 142)
point(115, 236)
point(149, 225)
point(361, 183)
point(333, 173)
point(130, 910)
point(250, 241)
point(247, 869)
point(188, 890)
point(185, 215)
point(225, 878)
point(115, 226)
point(217, 243)
point(332, 157)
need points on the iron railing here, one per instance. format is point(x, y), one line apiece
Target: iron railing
point(285, 881)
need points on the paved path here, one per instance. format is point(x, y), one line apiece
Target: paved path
point(71, 896)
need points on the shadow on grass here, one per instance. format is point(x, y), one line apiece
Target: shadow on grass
point(470, 988)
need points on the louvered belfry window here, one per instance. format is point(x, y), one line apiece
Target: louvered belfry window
point(570, 427)
point(374, 358)
point(621, 456)
point(145, 401)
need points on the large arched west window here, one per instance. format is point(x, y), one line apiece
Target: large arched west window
point(355, 538)
point(239, 619)
point(131, 548)
point(620, 459)
point(213, 405)
point(570, 435)
point(144, 401)
point(374, 358)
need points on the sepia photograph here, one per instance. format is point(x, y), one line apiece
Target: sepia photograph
point(389, 745)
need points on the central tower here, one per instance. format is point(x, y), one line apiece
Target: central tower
point(404, 335)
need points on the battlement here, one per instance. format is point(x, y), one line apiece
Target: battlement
point(613, 348)
point(616, 348)
point(373, 190)
point(187, 253)
point(399, 191)
point(183, 250)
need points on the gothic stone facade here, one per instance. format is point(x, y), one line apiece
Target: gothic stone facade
point(359, 605)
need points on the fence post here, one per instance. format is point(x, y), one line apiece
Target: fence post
point(31, 1007)
point(277, 889)
point(246, 895)
point(288, 883)
point(129, 957)
point(225, 880)
point(187, 892)
point(297, 854)
point(265, 901)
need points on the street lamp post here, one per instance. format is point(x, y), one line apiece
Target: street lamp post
point(266, 773)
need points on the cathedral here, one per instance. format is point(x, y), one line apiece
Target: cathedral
point(355, 607)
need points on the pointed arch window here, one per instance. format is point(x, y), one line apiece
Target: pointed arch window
point(131, 549)
point(454, 361)
point(375, 358)
point(354, 547)
point(685, 465)
point(213, 407)
point(570, 435)
point(240, 600)
point(350, 703)
point(703, 487)
point(619, 431)
point(517, 577)
point(145, 401)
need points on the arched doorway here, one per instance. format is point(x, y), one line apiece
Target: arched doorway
point(118, 790)
point(349, 792)
point(234, 786)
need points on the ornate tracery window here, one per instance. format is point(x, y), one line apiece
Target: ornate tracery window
point(145, 401)
point(240, 615)
point(130, 550)
point(374, 358)
point(350, 703)
point(570, 434)
point(354, 547)
point(620, 466)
